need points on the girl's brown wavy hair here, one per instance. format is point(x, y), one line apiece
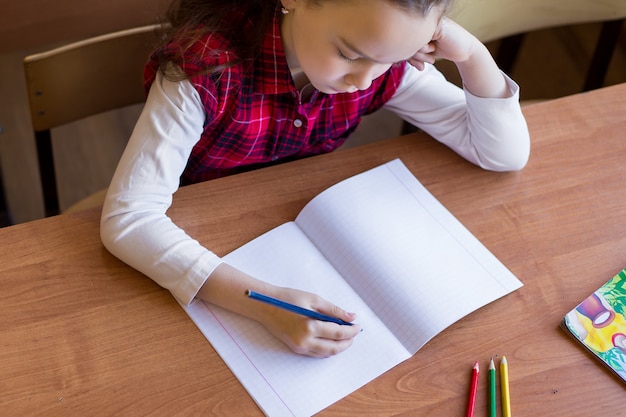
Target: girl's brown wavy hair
point(187, 21)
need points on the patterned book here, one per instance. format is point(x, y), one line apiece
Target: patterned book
point(599, 323)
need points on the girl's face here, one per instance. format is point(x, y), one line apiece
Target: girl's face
point(341, 46)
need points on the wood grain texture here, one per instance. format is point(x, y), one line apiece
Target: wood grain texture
point(494, 19)
point(83, 334)
point(32, 26)
point(32, 23)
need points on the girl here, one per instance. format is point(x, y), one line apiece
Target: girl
point(241, 84)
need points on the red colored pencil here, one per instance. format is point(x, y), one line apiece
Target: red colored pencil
point(473, 389)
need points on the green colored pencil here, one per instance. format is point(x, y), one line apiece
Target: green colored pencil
point(492, 389)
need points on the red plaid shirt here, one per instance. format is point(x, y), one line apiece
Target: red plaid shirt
point(255, 116)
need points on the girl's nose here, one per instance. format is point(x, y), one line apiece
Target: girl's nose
point(362, 76)
point(361, 80)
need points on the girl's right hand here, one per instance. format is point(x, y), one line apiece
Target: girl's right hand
point(308, 336)
point(226, 287)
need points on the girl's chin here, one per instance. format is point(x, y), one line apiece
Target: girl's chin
point(326, 89)
point(331, 90)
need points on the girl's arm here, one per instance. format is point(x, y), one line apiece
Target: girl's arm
point(479, 72)
point(136, 229)
point(134, 226)
point(226, 288)
point(482, 122)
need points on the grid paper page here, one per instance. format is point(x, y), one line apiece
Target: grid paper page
point(389, 251)
point(281, 382)
point(412, 262)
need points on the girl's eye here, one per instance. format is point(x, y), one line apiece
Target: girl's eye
point(345, 58)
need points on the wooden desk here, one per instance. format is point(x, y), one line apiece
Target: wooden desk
point(83, 334)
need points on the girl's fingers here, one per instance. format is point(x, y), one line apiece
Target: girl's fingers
point(424, 55)
point(336, 332)
point(429, 48)
point(419, 62)
point(324, 348)
point(326, 339)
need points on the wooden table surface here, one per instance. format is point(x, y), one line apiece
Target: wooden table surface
point(83, 334)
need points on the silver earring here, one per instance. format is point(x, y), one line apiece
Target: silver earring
point(284, 11)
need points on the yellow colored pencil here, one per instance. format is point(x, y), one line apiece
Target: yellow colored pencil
point(504, 386)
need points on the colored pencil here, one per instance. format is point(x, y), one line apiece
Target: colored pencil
point(492, 389)
point(504, 386)
point(471, 402)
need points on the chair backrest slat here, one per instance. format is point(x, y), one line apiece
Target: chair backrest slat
point(495, 19)
point(87, 77)
point(83, 79)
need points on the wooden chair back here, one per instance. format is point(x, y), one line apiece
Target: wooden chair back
point(82, 79)
point(489, 20)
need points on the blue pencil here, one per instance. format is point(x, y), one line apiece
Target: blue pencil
point(295, 309)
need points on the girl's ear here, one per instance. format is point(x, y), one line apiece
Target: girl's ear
point(289, 4)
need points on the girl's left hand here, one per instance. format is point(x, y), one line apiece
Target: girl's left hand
point(450, 41)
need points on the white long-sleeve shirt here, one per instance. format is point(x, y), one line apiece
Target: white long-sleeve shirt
point(489, 132)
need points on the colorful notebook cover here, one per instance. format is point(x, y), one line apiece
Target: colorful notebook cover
point(599, 323)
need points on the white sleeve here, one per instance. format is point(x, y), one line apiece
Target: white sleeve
point(134, 226)
point(489, 132)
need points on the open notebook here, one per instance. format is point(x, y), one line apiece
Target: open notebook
point(378, 244)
